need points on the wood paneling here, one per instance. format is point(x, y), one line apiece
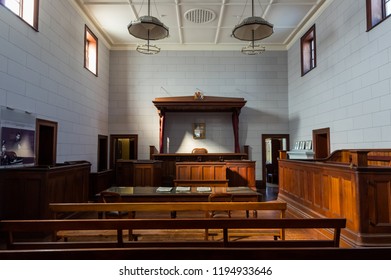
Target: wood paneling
point(170, 160)
point(139, 172)
point(241, 173)
point(25, 193)
point(199, 173)
point(361, 194)
point(234, 173)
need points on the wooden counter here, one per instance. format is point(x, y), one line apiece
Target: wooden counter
point(201, 174)
point(351, 184)
point(138, 172)
point(25, 192)
point(235, 165)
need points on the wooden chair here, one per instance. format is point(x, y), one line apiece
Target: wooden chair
point(218, 197)
point(199, 151)
point(112, 197)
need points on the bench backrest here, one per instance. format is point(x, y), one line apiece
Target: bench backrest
point(225, 224)
point(168, 206)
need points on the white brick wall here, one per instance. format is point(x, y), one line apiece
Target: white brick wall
point(349, 90)
point(136, 80)
point(42, 72)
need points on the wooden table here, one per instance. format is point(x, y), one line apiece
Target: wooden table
point(152, 194)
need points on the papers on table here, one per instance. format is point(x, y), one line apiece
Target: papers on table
point(182, 189)
point(204, 189)
point(164, 189)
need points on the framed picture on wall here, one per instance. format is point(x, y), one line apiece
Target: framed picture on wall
point(199, 130)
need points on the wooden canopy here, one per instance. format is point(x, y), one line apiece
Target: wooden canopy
point(205, 104)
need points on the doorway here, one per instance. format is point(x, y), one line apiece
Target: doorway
point(321, 142)
point(122, 146)
point(46, 142)
point(102, 152)
point(271, 146)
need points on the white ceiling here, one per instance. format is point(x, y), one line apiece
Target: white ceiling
point(113, 16)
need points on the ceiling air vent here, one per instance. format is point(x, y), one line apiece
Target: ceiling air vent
point(200, 15)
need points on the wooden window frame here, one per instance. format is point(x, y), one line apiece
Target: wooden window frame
point(376, 12)
point(308, 51)
point(34, 24)
point(88, 33)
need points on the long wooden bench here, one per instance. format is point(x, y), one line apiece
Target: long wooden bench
point(29, 226)
point(59, 209)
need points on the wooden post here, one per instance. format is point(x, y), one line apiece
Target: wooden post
point(359, 158)
point(283, 154)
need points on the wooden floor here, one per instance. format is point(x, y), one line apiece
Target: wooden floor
point(270, 193)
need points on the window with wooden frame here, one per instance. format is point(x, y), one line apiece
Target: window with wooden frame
point(90, 51)
point(27, 10)
point(377, 11)
point(308, 51)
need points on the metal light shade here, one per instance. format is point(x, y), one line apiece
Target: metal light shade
point(253, 29)
point(148, 28)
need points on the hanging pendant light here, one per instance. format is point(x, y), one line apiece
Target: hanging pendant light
point(253, 29)
point(148, 28)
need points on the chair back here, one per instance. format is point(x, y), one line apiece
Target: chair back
point(110, 197)
point(199, 151)
point(220, 197)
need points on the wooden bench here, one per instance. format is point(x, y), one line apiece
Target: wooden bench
point(30, 226)
point(201, 253)
point(59, 209)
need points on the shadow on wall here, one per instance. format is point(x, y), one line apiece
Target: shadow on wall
point(219, 131)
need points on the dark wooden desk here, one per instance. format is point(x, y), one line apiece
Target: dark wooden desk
point(150, 194)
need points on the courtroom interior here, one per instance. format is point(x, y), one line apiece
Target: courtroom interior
point(233, 136)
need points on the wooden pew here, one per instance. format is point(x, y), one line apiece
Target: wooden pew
point(29, 226)
point(131, 208)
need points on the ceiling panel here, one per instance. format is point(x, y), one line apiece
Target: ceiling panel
point(112, 18)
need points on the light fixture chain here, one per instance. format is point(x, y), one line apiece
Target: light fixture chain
point(244, 8)
point(139, 11)
point(157, 12)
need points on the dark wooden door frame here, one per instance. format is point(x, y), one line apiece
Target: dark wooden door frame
point(321, 150)
point(264, 137)
point(51, 146)
point(102, 155)
point(112, 149)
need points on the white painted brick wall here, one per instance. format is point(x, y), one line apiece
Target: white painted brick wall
point(136, 80)
point(349, 90)
point(42, 72)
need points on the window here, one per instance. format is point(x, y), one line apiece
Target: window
point(91, 51)
point(308, 51)
point(25, 9)
point(377, 11)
